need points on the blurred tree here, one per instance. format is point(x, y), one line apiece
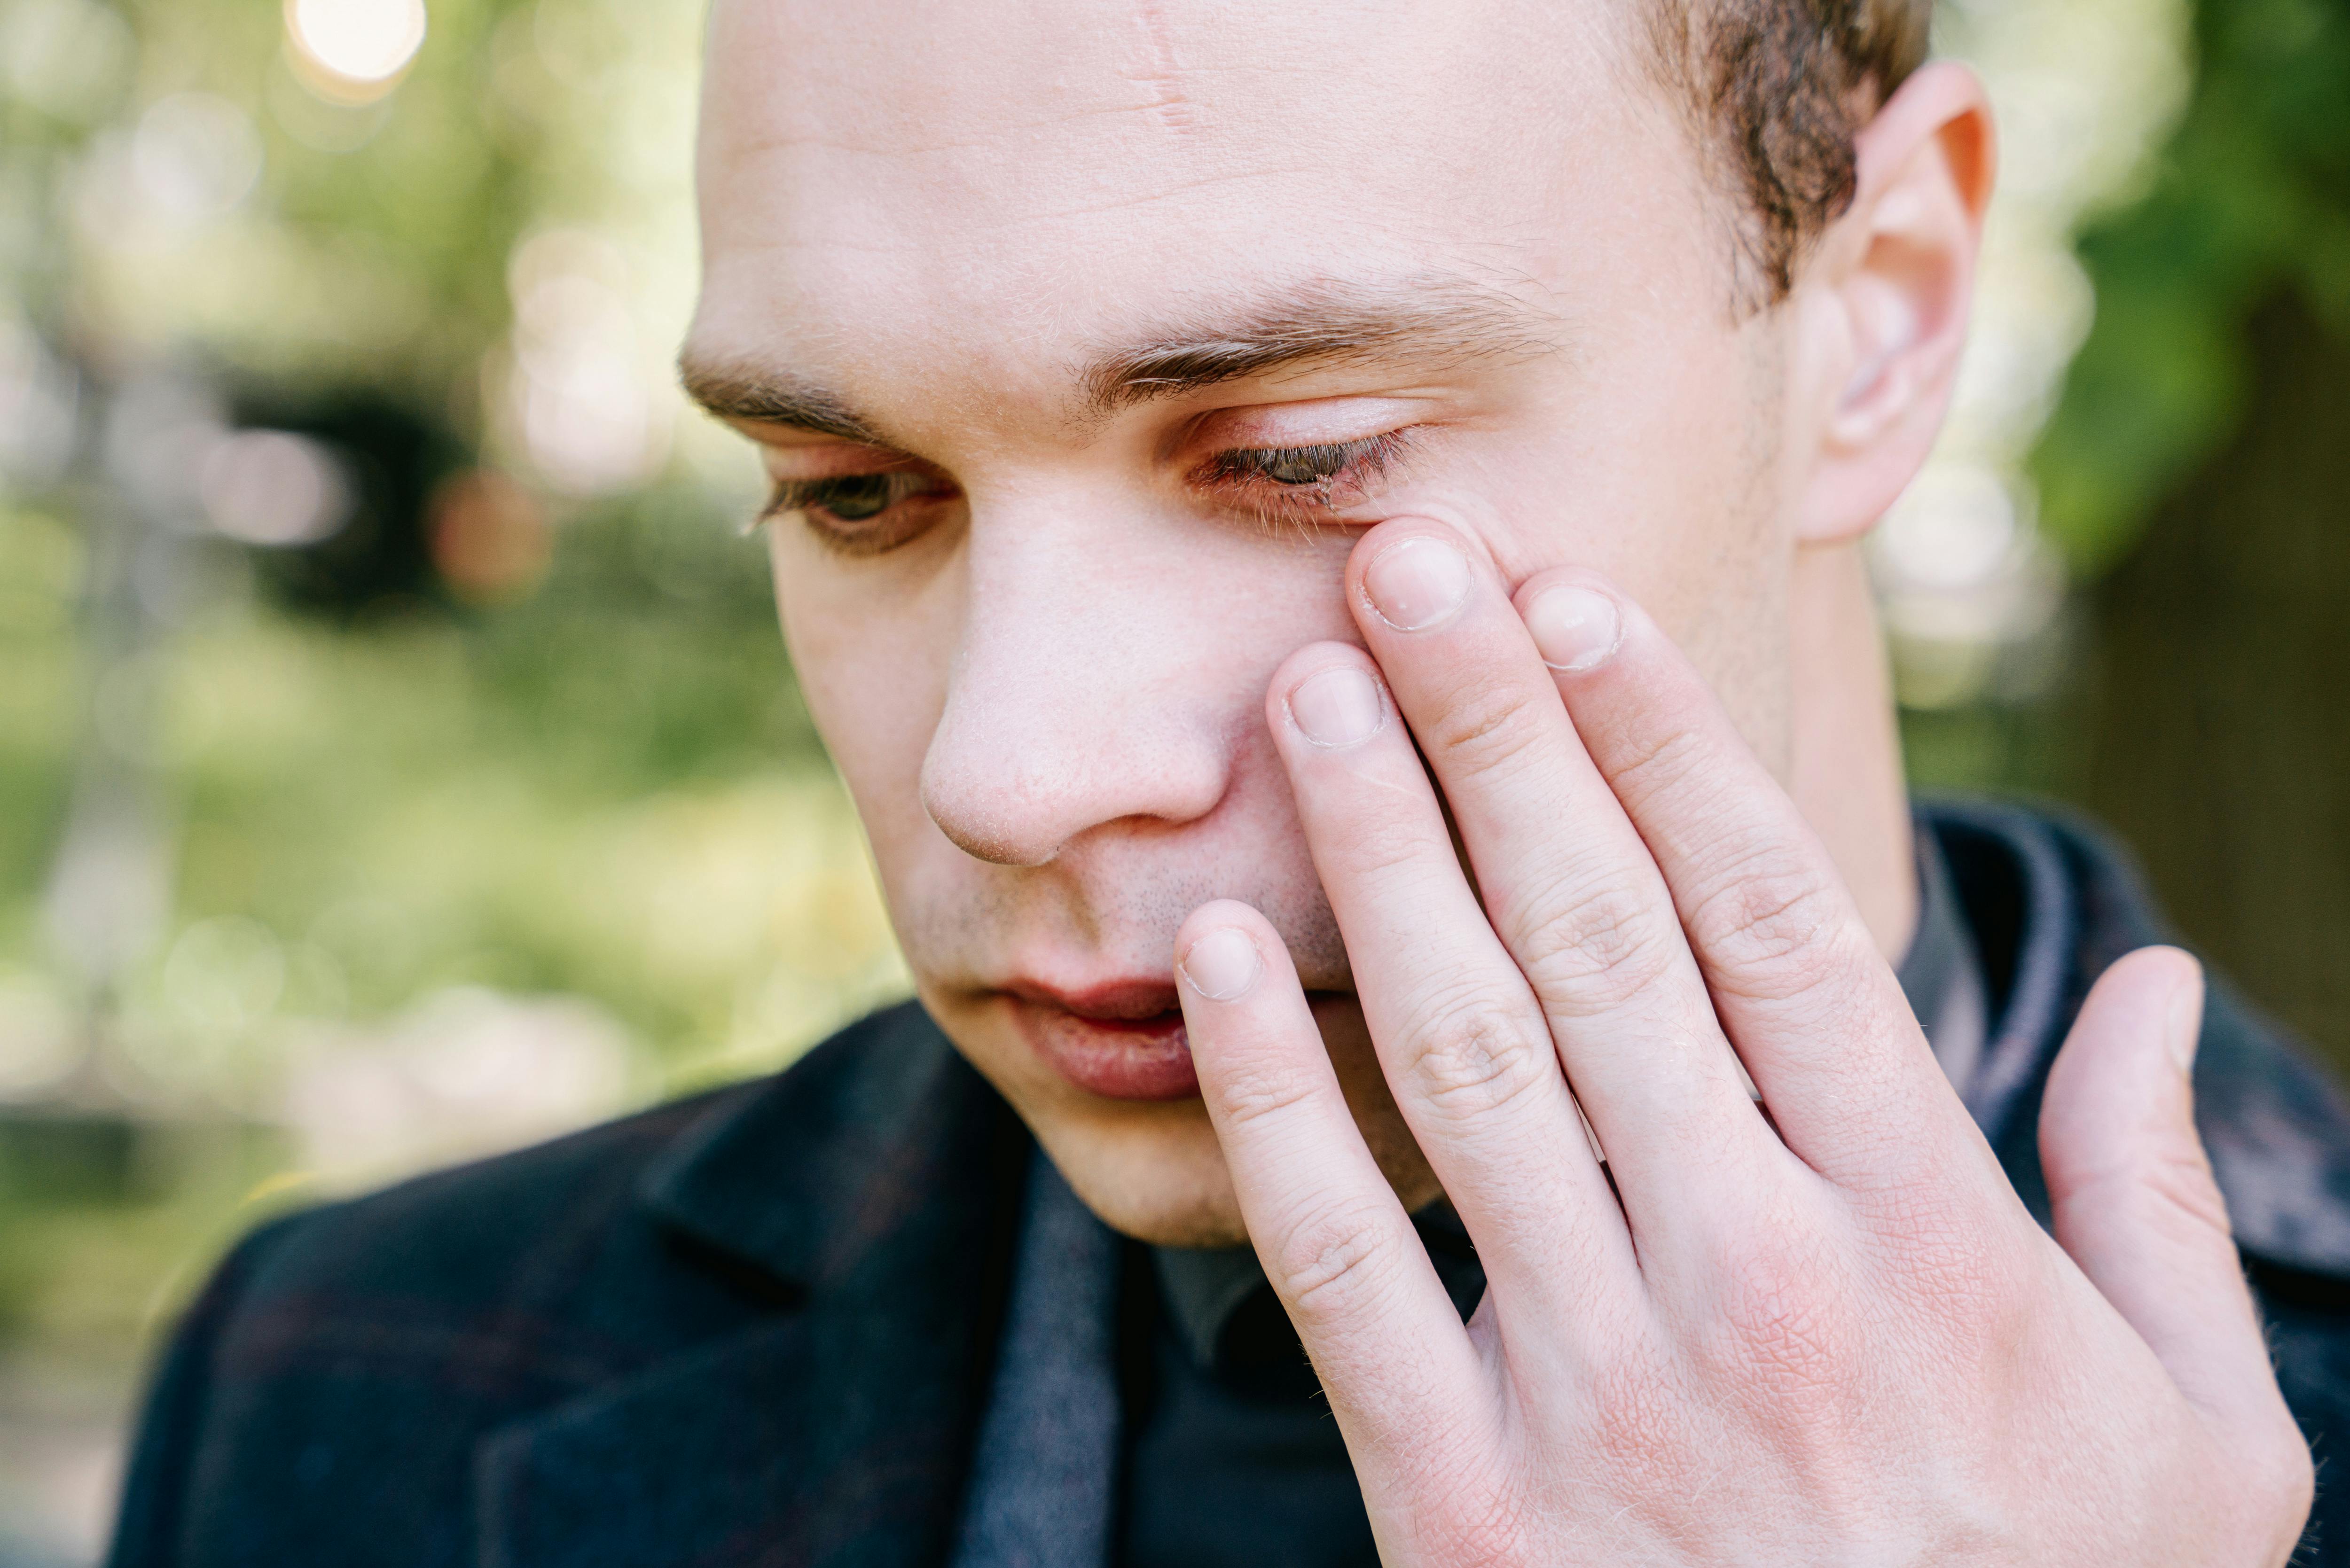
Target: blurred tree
point(2197, 470)
point(527, 647)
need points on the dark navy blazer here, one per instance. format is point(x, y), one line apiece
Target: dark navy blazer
point(755, 1327)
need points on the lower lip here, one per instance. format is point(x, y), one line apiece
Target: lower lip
point(1117, 1058)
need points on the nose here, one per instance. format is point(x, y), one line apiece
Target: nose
point(1085, 692)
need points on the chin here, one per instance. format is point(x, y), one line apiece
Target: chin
point(1152, 1168)
point(1154, 1172)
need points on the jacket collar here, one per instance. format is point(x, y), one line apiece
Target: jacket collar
point(2052, 901)
point(812, 1170)
point(880, 1181)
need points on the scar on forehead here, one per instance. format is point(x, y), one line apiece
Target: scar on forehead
point(1430, 321)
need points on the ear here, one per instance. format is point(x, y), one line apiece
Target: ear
point(1881, 307)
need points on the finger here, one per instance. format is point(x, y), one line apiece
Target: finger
point(1572, 891)
point(1334, 1241)
point(2131, 1190)
point(1460, 1037)
point(1794, 975)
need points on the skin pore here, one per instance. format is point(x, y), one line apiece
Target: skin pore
point(1083, 344)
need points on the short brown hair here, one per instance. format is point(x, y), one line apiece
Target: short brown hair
point(1780, 88)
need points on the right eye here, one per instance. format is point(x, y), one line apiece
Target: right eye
point(862, 513)
point(850, 500)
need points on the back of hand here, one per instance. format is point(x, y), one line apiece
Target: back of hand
point(1818, 1327)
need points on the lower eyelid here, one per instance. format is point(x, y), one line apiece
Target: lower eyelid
point(880, 535)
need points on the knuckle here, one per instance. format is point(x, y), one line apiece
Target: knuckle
point(1889, 1174)
point(1330, 1260)
point(1606, 943)
point(1381, 833)
point(1255, 1093)
point(1772, 929)
point(1633, 1432)
point(1487, 1531)
point(2167, 1189)
point(1950, 1275)
point(2273, 1484)
point(1778, 1331)
point(2291, 1481)
point(2178, 1180)
point(1666, 764)
point(1946, 1260)
point(1485, 729)
point(1473, 1057)
point(2284, 1478)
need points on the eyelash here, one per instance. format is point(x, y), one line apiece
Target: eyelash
point(1245, 478)
point(1345, 473)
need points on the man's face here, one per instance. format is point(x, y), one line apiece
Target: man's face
point(1082, 341)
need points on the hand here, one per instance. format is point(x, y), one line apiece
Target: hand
point(1845, 1341)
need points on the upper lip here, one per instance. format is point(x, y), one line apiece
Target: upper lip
point(1111, 1000)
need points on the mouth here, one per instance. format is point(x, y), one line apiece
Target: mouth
point(1123, 1040)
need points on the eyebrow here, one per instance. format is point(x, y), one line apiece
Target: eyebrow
point(771, 395)
point(1437, 322)
point(1431, 321)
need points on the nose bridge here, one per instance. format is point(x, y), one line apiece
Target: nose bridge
point(1079, 696)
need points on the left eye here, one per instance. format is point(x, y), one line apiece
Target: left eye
point(1299, 464)
point(1319, 466)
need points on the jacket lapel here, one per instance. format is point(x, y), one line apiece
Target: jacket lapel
point(880, 1181)
point(2279, 1140)
point(2052, 902)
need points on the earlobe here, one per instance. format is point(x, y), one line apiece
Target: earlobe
point(1889, 289)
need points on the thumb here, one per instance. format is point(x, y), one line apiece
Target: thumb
point(2131, 1189)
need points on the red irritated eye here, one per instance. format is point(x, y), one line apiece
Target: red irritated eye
point(1319, 478)
point(870, 514)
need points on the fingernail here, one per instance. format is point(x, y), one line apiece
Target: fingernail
point(1418, 584)
point(2186, 1024)
point(1339, 707)
point(1221, 965)
point(1574, 629)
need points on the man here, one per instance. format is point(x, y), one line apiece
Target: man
point(1324, 541)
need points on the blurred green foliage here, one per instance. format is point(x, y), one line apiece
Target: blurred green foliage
point(409, 791)
point(2250, 197)
point(430, 850)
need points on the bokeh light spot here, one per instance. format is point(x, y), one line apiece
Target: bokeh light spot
point(491, 541)
point(273, 488)
point(196, 156)
point(360, 44)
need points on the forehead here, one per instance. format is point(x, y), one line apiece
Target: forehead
point(990, 187)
